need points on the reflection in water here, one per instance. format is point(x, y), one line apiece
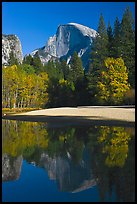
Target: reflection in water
point(69, 177)
point(11, 167)
point(77, 158)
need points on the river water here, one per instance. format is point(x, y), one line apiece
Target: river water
point(74, 164)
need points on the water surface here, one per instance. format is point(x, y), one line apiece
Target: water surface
point(89, 163)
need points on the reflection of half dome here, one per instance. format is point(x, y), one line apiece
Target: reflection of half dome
point(70, 177)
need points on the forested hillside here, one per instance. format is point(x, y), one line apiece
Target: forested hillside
point(109, 80)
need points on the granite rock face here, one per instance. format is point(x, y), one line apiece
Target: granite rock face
point(11, 43)
point(68, 38)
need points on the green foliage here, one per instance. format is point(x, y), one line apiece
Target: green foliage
point(65, 93)
point(61, 93)
point(99, 48)
point(65, 69)
point(76, 69)
point(12, 59)
point(128, 44)
point(29, 69)
point(76, 75)
point(34, 62)
point(110, 40)
point(53, 70)
point(55, 74)
point(124, 43)
point(99, 52)
point(116, 50)
point(28, 60)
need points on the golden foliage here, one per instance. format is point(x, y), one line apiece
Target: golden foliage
point(23, 135)
point(113, 81)
point(114, 142)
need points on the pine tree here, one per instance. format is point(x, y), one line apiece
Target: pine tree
point(76, 68)
point(58, 71)
point(36, 62)
point(12, 59)
point(99, 47)
point(99, 53)
point(110, 40)
point(76, 75)
point(27, 68)
point(128, 44)
point(28, 60)
point(65, 69)
point(116, 51)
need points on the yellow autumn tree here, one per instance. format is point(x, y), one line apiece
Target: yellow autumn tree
point(10, 81)
point(113, 82)
point(21, 89)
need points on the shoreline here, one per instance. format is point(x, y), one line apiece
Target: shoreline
point(91, 115)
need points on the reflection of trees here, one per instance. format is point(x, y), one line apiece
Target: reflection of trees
point(114, 141)
point(66, 143)
point(112, 161)
point(30, 139)
point(22, 137)
point(105, 152)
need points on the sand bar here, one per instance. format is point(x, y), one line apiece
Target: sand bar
point(91, 114)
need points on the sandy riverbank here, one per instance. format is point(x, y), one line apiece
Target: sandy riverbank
point(88, 115)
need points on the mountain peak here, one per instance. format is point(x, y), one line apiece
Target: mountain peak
point(68, 38)
point(84, 29)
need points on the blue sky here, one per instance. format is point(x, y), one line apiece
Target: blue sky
point(35, 22)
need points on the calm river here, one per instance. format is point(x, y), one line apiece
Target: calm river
point(89, 163)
